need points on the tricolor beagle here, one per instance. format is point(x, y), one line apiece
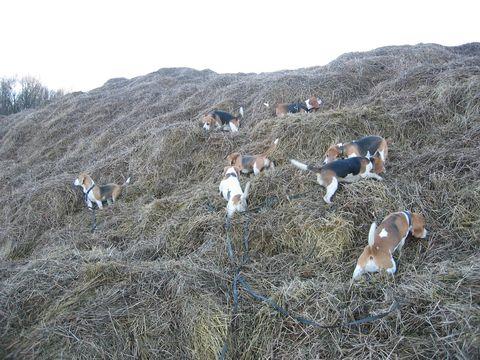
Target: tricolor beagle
point(232, 192)
point(366, 146)
point(311, 104)
point(389, 236)
point(222, 120)
point(98, 193)
point(345, 170)
point(252, 163)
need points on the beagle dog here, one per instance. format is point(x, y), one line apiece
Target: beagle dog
point(252, 163)
point(366, 146)
point(222, 120)
point(232, 192)
point(98, 193)
point(389, 236)
point(311, 104)
point(345, 170)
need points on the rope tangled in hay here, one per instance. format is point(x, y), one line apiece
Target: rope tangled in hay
point(239, 279)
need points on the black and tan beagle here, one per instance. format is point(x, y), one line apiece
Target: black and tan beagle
point(312, 104)
point(344, 170)
point(222, 120)
point(366, 146)
point(253, 163)
point(385, 239)
point(98, 193)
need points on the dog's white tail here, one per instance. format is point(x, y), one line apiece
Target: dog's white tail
point(126, 182)
point(299, 165)
point(245, 192)
point(241, 111)
point(371, 234)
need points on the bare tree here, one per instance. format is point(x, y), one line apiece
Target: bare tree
point(7, 96)
point(31, 94)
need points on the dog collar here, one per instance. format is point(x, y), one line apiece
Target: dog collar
point(88, 191)
point(231, 174)
point(408, 214)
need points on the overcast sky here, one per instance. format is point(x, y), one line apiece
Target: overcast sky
point(78, 45)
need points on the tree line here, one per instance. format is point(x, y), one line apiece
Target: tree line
point(25, 93)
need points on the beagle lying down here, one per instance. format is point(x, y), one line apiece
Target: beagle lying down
point(389, 236)
point(366, 146)
point(311, 104)
point(98, 193)
point(346, 170)
point(252, 163)
point(222, 120)
point(232, 192)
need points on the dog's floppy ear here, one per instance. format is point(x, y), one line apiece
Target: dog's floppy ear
point(418, 225)
point(232, 157)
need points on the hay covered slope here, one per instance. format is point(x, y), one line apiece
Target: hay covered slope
point(154, 280)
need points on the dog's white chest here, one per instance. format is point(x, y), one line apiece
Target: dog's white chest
point(371, 266)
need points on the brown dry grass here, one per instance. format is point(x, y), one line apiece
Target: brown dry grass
point(154, 280)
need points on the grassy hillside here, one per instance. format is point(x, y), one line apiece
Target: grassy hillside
point(154, 280)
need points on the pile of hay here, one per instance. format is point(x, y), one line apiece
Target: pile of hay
point(154, 280)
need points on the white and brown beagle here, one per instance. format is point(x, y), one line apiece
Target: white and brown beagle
point(222, 120)
point(344, 170)
point(98, 193)
point(312, 104)
point(253, 163)
point(366, 146)
point(389, 236)
point(232, 192)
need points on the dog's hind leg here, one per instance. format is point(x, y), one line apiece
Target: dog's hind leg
point(331, 189)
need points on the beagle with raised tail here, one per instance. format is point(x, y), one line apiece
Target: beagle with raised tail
point(232, 192)
point(366, 146)
point(97, 194)
point(389, 236)
point(345, 170)
point(253, 163)
point(218, 119)
point(310, 105)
